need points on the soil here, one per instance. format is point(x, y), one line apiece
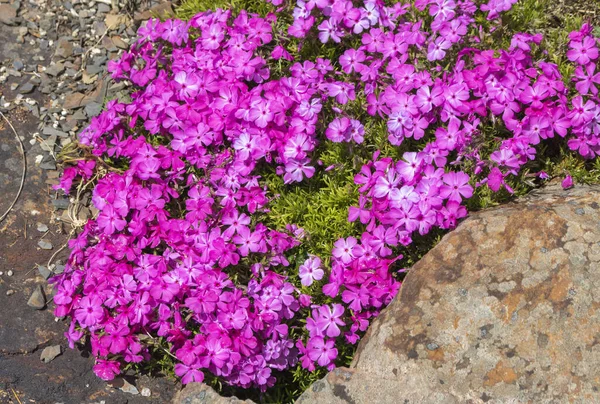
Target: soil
point(588, 9)
point(25, 331)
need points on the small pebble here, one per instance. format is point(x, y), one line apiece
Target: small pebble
point(45, 245)
point(10, 292)
point(18, 65)
point(129, 388)
point(146, 392)
point(41, 227)
point(26, 88)
point(49, 353)
point(10, 273)
point(44, 272)
point(37, 299)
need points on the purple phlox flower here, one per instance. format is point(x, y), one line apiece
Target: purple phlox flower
point(106, 370)
point(506, 158)
point(411, 166)
point(495, 179)
point(73, 335)
point(535, 95)
point(187, 83)
point(337, 131)
point(89, 311)
point(343, 249)
point(586, 79)
point(260, 113)
point(457, 95)
point(110, 221)
point(189, 373)
point(175, 31)
point(310, 271)
point(204, 301)
point(296, 170)
point(115, 339)
point(248, 241)
point(360, 212)
point(328, 29)
point(321, 351)
point(437, 48)
point(582, 113)
point(567, 182)
point(382, 237)
point(581, 52)
point(451, 213)
point(329, 319)
point(351, 60)
point(428, 97)
point(356, 297)
point(456, 186)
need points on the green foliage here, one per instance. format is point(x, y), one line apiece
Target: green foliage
point(582, 171)
point(525, 16)
point(190, 8)
point(321, 208)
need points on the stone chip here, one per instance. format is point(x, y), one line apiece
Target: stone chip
point(37, 300)
point(7, 14)
point(113, 21)
point(49, 353)
point(45, 245)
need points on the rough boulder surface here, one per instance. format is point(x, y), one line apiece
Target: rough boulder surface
point(199, 393)
point(506, 308)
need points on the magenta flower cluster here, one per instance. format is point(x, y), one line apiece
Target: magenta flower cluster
point(178, 258)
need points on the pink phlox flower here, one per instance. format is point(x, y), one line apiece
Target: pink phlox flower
point(437, 48)
point(411, 166)
point(567, 182)
point(310, 271)
point(89, 311)
point(329, 319)
point(248, 241)
point(343, 249)
point(582, 51)
point(456, 186)
point(351, 61)
point(106, 370)
point(189, 373)
point(328, 29)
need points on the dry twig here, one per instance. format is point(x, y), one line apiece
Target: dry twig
point(13, 390)
point(24, 169)
point(58, 251)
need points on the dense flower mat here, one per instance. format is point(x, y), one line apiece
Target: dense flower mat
point(182, 260)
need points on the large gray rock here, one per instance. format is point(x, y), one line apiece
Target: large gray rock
point(200, 393)
point(505, 309)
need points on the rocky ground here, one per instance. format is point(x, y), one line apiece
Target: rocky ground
point(53, 80)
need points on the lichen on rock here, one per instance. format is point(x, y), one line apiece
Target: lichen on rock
point(506, 307)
